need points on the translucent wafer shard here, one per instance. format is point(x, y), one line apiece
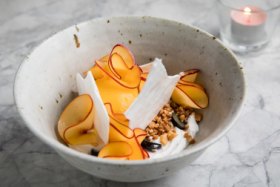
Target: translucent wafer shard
point(155, 94)
point(146, 67)
point(88, 86)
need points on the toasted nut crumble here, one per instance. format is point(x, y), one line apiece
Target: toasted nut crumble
point(161, 123)
point(163, 139)
point(182, 117)
point(171, 135)
point(161, 126)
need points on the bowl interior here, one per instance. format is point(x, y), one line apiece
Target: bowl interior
point(46, 80)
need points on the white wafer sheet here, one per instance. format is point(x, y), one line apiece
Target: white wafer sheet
point(155, 94)
point(88, 86)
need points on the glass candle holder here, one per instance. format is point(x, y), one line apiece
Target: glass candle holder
point(247, 25)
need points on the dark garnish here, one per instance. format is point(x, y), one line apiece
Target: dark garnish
point(94, 152)
point(176, 121)
point(150, 146)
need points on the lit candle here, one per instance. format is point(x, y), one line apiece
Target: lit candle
point(248, 25)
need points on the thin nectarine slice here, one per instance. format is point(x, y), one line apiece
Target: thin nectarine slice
point(125, 53)
point(96, 71)
point(190, 96)
point(144, 76)
point(75, 125)
point(141, 86)
point(120, 61)
point(117, 116)
point(129, 75)
point(116, 149)
point(78, 136)
point(138, 151)
point(179, 97)
point(190, 84)
point(105, 59)
point(140, 134)
point(189, 75)
point(142, 82)
point(119, 130)
point(146, 154)
point(75, 112)
point(117, 65)
point(117, 134)
point(130, 85)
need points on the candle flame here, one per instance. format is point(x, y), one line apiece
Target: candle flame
point(247, 11)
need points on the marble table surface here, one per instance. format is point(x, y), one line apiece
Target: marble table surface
point(249, 155)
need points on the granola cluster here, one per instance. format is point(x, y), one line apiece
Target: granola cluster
point(161, 126)
point(183, 113)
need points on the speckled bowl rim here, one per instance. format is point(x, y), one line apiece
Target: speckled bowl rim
point(66, 150)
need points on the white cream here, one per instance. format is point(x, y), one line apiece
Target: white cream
point(179, 143)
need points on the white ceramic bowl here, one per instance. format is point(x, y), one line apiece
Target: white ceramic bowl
point(46, 78)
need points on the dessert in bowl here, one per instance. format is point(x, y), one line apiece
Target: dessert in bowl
point(47, 79)
point(105, 119)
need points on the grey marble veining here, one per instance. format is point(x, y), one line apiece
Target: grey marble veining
point(249, 155)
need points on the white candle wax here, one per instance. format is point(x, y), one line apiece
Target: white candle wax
point(247, 25)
